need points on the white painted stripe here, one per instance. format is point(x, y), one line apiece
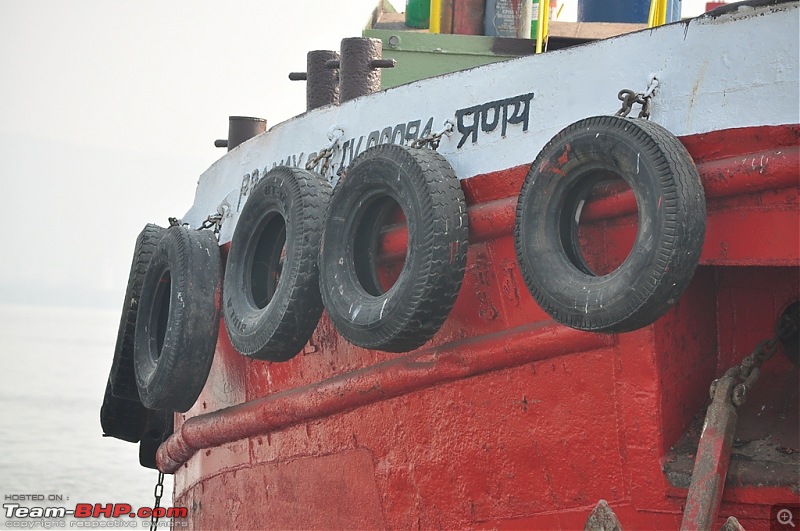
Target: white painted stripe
point(736, 70)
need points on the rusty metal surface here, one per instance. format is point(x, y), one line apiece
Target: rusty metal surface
point(468, 16)
point(715, 446)
point(241, 128)
point(711, 463)
point(383, 63)
point(322, 86)
point(357, 76)
point(766, 448)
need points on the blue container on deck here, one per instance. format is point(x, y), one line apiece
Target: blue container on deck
point(633, 11)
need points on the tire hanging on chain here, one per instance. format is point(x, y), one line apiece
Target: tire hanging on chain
point(366, 308)
point(122, 414)
point(669, 237)
point(178, 319)
point(122, 377)
point(271, 299)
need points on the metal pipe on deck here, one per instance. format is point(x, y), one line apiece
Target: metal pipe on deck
point(396, 377)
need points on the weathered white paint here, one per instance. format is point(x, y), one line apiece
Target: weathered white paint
point(736, 70)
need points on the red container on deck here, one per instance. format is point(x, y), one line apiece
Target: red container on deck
point(714, 5)
point(463, 17)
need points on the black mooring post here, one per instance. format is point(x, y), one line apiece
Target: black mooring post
point(323, 82)
point(241, 128)
point(360, 64)
point(321, 77)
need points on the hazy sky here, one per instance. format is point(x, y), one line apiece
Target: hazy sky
point(109, 113)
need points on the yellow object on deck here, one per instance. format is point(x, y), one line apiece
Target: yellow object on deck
point(658, 13)
point(436, 16)
point(543, 25)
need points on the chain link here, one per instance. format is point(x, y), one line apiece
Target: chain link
point(748, 370)
point(433, 139)
point(158, 492)
point(324, 156)
point(629, 97)
point(213, 221)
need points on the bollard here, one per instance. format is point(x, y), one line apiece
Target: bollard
point(360, 64)
point(322, 78)
point(241, 128)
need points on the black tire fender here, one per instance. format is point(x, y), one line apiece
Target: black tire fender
point(178, 319)
point(121, 418)
point(122, 414)
point(271, 299)
point(407, 314)
point(159, 426)
point(122, 378)
point(671, 227)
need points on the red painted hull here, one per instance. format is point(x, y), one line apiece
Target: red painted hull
point(505, 419)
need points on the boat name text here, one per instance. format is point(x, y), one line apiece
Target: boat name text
point(403, 133)
point(500, 115)
point(486, 118)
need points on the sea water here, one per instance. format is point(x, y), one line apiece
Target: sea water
point(54, 363)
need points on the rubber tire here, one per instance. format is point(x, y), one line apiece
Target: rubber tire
point(122, 414)
point(122, 377)
point(413, 309)
point(121, 418)
point(159, 427)
point(287, 204)
point(178, 323)
point(671, 213)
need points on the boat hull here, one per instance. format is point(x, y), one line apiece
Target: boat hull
point(506, 419)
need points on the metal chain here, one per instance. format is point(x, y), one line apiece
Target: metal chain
point(213, 221)
point(159, 491)
point(748, 370)
point(433, 139)
point(629, 97)
point(324, 156)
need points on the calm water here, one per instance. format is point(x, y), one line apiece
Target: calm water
point(54, 364)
